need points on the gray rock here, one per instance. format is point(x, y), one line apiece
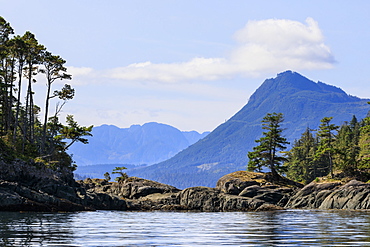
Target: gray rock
point(269, 207)
point(234, 185)
point(270, 194)
point(353, 195)
point(33, 187)
point(250, 191)
point(211, 199)
point(132, 188)
point(157, 201)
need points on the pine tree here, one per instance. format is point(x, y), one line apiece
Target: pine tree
point(347, 146)
point(7, 64)
point(19, 48)
point(326, 149)
point(266, 153)
point(20, 129)
point(54, 70)
point(33, 58)
point(123, 176)
point(301, 165)
point(364, 145)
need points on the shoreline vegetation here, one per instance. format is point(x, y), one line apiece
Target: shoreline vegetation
point(24, 134)
point(26, 187)
point(330, 168)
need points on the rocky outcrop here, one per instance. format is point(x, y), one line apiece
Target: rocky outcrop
point(33, 187)
point(139, 194)
point(258, 186)
point(198, 199)
point(235, 182)
point(211, 199)
point(234, 193)
point(157, 201)
point(239, 191)
point(15, 197)
point(131, 188)
point(332, 195)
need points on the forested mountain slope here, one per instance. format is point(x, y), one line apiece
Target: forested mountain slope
point(303, 102)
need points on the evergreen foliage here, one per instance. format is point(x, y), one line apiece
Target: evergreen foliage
point(347, 146)
point(326, 148)
point(123, 176)
point(303, 103)
point(302, 165)
point(363, 158)
point(266, 153)
point(343, 150)
point(22, 134)
point(107, 176)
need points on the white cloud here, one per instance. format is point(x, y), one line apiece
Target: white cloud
point(271, 45)
point(75, 71)
point(197, 68)
point(84, 75)
point(262, 47)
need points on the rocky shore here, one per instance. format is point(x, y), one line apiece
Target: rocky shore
point(32, 188)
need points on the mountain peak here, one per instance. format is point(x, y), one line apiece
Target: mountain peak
point(303, 103)
point(289, 83)
point(287, 73)
point(139, 144)
point(298, 81)
point(293, 80)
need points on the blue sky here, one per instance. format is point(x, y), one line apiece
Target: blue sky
point(192, 64)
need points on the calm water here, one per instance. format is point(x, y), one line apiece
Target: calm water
point(115, 228)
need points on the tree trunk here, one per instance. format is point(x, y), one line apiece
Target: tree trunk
point(20, 68)
point(43, 143)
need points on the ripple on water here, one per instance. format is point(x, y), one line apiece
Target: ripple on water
point(116, 228)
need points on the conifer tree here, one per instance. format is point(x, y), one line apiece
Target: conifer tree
point(266, 154)
point(364, 145)
point(19, 49)
point(54, 70)
point(347, 147)
point(20, 129)
point(7, 63)
point(73, 132)
point(326, 149)
point(123, 176)
point(107, 177)
point(301, 165)
point(32, 58)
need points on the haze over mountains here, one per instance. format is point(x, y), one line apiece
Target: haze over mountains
point(147, 144)
point(303, 102)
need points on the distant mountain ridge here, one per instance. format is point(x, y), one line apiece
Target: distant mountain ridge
point(147, 144)
point(303, 102)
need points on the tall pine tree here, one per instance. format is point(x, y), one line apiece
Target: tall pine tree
point(301, 165)
point(326, 149)
point(266, 154)
point(347, 146)
point(364, 145)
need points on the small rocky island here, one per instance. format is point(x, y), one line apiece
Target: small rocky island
point(25, 187)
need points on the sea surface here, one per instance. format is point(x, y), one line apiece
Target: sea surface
point(117, 228)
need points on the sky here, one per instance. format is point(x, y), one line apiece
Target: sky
point(192, 64)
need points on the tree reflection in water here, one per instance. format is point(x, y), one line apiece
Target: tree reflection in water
point(25, 229)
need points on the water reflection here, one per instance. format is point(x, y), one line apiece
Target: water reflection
point(114, 228)
point(27, 229)
point(307, 228)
